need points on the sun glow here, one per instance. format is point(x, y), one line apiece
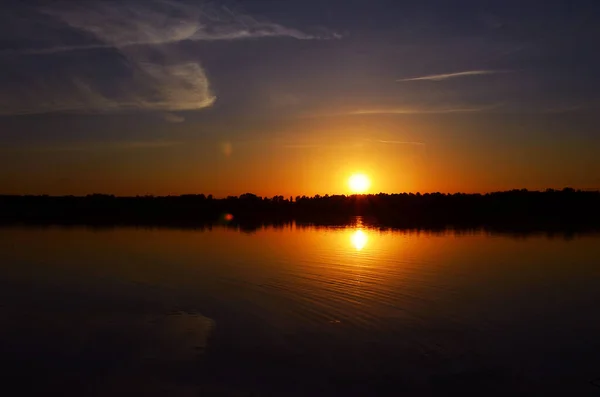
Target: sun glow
point(359, 183)
point(359, 239)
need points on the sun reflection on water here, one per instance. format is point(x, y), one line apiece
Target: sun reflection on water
point(359, 239)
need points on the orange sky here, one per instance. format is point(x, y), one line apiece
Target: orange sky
point(312, 156)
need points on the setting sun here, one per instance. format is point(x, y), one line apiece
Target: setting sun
point(359, 183)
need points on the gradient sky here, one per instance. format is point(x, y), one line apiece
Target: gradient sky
point(293, 96)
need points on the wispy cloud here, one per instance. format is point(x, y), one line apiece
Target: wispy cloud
point(151, 22)
point(145, 144)
point(153, 87)
point(322, 146)
point(401, 142)
point(301, 146)
point(574, 107)
point(446, 76)
point(173, 118)
point(409, 111)
point(100, 56)
point(98, 146)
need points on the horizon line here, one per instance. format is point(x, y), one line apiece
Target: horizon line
point(88, 195)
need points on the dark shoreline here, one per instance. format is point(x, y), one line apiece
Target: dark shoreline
point(514, 212)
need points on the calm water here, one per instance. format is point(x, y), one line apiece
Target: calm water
point(297, 311)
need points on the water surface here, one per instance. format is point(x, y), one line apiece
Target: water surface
point(297, 310)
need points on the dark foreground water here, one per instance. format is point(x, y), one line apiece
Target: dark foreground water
point(298, 311)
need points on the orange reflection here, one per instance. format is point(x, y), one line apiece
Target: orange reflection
point(359, 239)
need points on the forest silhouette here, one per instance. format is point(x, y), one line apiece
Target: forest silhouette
point(515, 210)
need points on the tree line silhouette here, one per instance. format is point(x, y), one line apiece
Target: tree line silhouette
point(515, 209)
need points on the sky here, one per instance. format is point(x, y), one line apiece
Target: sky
point(292, 97)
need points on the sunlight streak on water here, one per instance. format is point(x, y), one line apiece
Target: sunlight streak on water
point(359, 239)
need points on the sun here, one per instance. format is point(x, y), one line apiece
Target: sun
point(359, 183)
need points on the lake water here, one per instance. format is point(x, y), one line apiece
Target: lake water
point(297, 311)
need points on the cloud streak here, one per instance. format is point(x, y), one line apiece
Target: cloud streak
point(409, 111)
point(401, 142)
point(98, 146)
point(173, 118)
point(446, 76)
point(322, 146)
point(301, 146)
